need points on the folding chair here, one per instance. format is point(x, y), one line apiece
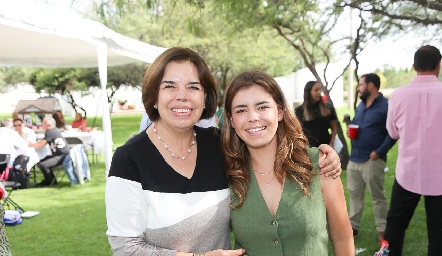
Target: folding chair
point(72, 141)
point(9, 185)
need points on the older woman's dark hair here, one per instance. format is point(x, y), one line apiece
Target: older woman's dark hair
point(426, 58)
point(154, 74)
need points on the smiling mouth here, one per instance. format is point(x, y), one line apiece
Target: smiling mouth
point(181, 110)
point(258, 129)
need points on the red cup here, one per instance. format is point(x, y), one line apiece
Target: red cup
point(352, 131)
point(38, 127)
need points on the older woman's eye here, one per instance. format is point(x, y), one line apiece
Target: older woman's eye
point(195, 88)
point(169, 86)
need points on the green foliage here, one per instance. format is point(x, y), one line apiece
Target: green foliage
point(10, 76)
point(392, 77)
point(201, 27)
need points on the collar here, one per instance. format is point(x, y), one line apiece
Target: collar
point(425, 78)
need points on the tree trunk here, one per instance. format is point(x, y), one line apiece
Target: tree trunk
point(344, 154)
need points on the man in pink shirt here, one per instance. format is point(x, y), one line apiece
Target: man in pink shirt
point(414, 117)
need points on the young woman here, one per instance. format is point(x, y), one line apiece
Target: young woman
point(280, 204)
point(317, 117)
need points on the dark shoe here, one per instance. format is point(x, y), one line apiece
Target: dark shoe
point(43, 184)
point(355, 233)
point(381, 236)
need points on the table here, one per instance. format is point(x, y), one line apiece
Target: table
point(91, 140)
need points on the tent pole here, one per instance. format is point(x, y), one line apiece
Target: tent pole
point(102, 70)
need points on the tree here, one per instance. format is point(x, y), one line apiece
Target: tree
point(306, 25)
point(10, 76)
point(68, 80)
point(227, 51)
point(64, 81)
point(423, 12)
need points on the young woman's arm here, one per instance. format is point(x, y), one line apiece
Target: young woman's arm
point(339, 227)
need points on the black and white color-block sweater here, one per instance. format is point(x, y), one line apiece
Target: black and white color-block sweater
point(153, 210)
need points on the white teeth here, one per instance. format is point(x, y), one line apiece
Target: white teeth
point(181, 110)
point(257, 129)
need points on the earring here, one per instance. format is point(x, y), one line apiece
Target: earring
point(155, 106)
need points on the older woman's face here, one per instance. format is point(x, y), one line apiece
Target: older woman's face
point(78, 116)
point(181, 95)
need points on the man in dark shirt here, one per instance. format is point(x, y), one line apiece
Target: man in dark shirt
point(369, 154)
point(59, 149)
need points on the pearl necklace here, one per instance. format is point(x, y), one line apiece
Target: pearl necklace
point(171, 153)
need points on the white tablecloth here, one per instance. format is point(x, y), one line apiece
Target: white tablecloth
point(93, 139)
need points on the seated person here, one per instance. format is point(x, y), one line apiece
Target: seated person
point(79, 122)
point(59, 119)
point(11, 142)
point(59, 148)
point(27, 134)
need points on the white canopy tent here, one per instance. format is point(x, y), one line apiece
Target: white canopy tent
point(34, 34)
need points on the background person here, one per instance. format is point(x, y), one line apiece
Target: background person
point(27, 134)
point(79, 122)
point(10, 141)
point(59, 119)
point(274, 178)
point(160, 197)
point(59, 149)
point(317, 117)
point(414, 118)
point(369, 154)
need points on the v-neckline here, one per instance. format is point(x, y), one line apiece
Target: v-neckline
point(261, 197)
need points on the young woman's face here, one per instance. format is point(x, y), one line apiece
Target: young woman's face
point(255, 118)
point(181, 95)
point(316, 92)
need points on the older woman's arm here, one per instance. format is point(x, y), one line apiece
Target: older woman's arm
point(329, 162)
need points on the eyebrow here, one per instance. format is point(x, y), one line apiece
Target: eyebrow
point(243, 105)
point(173, 82)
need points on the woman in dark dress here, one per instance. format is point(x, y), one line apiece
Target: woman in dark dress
point(317, 117)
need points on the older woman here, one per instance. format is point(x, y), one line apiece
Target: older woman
point(281, 206)
point(167, 193)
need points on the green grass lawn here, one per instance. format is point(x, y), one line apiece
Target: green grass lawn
point(72, 220)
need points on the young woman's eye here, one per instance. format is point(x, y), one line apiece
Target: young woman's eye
point(239, 111)
point(263, 107)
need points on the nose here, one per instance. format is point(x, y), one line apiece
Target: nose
point(253, 116)
point(181, 93)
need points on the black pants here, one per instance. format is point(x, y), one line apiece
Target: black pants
point(403, 204)
point(47, 164)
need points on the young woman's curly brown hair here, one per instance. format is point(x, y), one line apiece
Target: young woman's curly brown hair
point(291, 160)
